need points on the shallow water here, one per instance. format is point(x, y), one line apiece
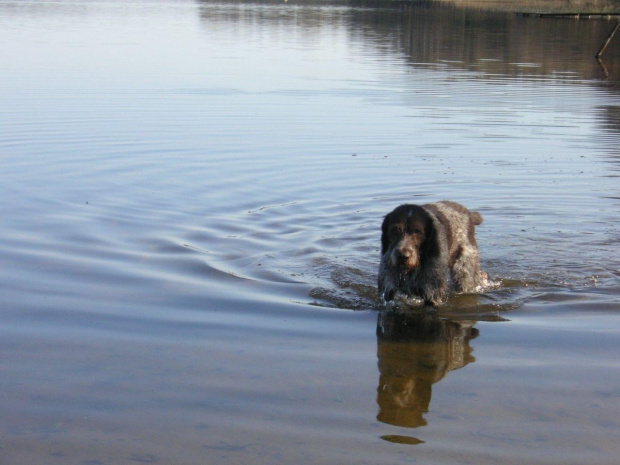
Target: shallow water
point(191, 200)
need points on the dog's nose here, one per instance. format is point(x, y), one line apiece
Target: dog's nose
point(404, 253)
point(405, 257)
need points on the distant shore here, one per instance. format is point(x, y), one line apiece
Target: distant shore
point(525, 6)
point(528, 6)
point(517, 6)
point(542, 6)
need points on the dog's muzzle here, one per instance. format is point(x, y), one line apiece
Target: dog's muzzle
point(404, 258)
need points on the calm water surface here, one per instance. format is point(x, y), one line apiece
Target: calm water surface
point(191, 200)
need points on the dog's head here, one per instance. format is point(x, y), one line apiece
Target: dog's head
point(408, 236)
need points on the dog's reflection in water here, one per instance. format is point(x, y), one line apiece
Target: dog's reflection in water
point(416, 351)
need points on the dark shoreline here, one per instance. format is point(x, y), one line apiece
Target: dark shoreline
point(540, 6)
point(572, 7)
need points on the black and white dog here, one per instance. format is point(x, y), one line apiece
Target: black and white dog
point(421, 243)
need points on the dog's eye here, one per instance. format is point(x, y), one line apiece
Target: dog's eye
point(418, 231)
point(396, 230)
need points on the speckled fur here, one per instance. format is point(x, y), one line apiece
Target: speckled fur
point(421, 244)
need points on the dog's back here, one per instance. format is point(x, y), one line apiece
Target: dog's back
point(476, 218)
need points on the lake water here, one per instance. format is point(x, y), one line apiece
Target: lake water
point(192, 195)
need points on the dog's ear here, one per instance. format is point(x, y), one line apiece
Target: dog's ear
point(385, 241)
point(430, 248)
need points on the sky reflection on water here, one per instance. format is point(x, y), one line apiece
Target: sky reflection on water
point(192, 196)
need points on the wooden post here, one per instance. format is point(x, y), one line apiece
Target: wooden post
point(604, 46)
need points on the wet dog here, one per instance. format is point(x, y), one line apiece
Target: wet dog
point(422, 244)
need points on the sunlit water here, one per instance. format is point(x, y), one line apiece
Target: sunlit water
point(192, 194)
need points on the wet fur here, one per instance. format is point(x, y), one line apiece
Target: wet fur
point(422, 244)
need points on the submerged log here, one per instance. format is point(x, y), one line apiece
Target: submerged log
point(604, 46)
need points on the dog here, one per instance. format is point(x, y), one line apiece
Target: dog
point(422, 244)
